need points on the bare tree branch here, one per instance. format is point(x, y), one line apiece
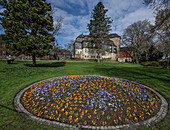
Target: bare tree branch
point(57, 26)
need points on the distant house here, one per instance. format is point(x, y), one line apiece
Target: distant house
point(124, 57)
point(61, 54)
point(64, 54)
point(83, 49)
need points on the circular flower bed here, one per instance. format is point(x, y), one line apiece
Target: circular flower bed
point(91, 100)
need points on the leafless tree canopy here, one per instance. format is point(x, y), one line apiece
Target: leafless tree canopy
point(163, 32)
point(137, 38)
point(57, 26)
point(158, 4)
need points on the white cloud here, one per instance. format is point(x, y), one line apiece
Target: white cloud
point(124, 13)
point(72, 25)
point(60, 3)
point(140, 14)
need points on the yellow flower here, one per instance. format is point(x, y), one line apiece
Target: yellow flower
point(135, 119)
point(89, 116)
point(82, 113)
point(108, 117)
point(95, 112)
point(103, 113)
point(66, 113)
point(85, 122)
point(76, 120)
point(70, 117)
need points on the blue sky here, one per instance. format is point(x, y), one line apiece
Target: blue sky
point(77, 13)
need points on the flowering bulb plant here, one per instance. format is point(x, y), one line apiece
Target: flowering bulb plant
point(91, 100)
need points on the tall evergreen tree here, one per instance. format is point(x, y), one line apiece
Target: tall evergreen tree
point(27, 25)
point(99, 27)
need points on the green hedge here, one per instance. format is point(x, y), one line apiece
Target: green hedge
point(156, 63)
point(164, 64)
point(150, 63)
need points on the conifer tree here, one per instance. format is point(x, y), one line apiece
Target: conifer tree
point(99, 27)
point(27, 25)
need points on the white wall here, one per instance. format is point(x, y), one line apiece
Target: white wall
point(124, 59)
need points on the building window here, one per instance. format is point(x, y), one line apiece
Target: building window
point(115, 50)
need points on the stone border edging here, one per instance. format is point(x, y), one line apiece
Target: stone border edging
point(147, 123)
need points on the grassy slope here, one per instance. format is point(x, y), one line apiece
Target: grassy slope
point(16, 76)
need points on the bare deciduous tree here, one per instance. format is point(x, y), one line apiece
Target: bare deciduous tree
point(163, 33)
point(70, 46)
point(137, 39)
point(157, 4)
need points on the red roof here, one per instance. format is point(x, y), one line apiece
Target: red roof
point(124, 54)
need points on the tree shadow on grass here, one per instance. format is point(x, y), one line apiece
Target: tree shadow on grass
point(50, 64)
point(132, 72)
point(11, 109)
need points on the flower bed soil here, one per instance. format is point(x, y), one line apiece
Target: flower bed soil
point(91, 100)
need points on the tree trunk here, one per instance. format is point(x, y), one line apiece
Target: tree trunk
point(33, 60)
point(98, 58)
point(167, 59)
point(168, 64)
point(137, 58)
point(147, 56)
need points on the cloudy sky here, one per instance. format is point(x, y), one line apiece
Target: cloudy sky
point(77, 14)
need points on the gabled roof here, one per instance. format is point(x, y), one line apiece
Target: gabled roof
point(124, 54)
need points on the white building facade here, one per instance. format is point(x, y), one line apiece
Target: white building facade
point(83, 49)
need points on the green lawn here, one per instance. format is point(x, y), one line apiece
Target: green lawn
point(14, 77)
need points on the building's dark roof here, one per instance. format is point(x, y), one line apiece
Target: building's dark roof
point(109, 42)
point(110, 35)
point(114, 35)
point(85, 38)
point(82, 36)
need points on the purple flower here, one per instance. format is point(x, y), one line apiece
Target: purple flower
point(42, 98)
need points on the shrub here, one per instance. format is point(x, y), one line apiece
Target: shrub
point(164, 63)
point(150, 63)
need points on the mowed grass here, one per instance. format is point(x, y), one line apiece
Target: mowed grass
point(14, 77)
